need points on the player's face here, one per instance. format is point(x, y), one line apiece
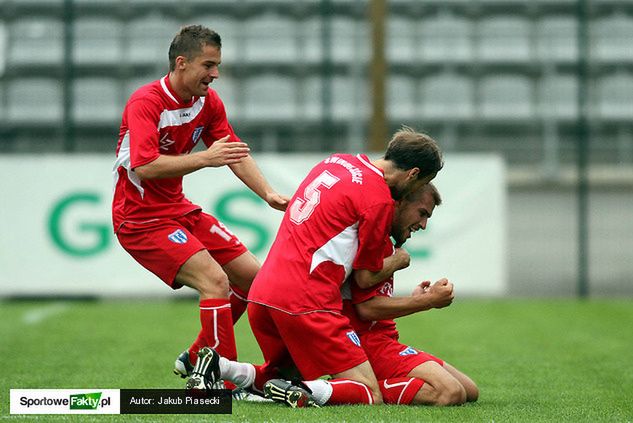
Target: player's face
point(201, 70)
point(411, 216)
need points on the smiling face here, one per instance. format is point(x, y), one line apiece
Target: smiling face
point(411, 216)
point(196, 73)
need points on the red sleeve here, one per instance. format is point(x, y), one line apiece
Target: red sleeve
point(374, 228)
point(360, 295)
point(219, 125)
point(142, 122)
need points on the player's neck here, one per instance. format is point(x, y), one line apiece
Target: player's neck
point(385, 165)
point(177, 87)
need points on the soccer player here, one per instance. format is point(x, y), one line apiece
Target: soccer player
point(153, 220)
point(338, 221)
point(406, 375)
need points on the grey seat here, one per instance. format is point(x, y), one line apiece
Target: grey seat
point(506, 97)
point(34, 101)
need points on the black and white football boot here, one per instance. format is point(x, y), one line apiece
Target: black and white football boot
point(294, 394)
point(206, 372)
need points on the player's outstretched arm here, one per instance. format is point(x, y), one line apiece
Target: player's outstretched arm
point(438, 295)
point(220, 153)
point(248, 172)
point(399, 260)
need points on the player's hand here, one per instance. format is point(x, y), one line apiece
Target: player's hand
point(223, 153)
point(441, 293)
point(421, 288)
point(277, 201)
point(402, 258)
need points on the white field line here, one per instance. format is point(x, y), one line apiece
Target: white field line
point(39, 314)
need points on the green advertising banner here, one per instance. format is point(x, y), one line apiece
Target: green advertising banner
point(58, 237)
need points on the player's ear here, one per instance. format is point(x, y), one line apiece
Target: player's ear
point(413, 173)
point(181, 62)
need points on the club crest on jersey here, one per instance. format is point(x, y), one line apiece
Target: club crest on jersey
point(195, 137)
point(408, 351)
point(353, 337)
point(178, 236)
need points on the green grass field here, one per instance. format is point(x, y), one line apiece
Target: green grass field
point(534, 360)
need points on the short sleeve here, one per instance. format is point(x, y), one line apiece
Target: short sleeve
point(374, 227)
point(360, 295)
point(142, 122)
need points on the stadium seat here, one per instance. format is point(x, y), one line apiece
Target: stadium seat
point(97, 41)
point(226, 86)
point(612, 39)
point(350, 40)
point(36, 41)
point(34, 101)
point(401, 40)
point(504, 39)
point(269, 98)
point(270, 38)
point(97, 101)
point(309, 40)
point(350, 99)
point(149, 38)
point(506, 97)
point(558, 97)
point(447, 96)
point(3, 47)
point(402, 97)
point(614, 99)
point(446, 38)
point(310, 103)
point(556, 39)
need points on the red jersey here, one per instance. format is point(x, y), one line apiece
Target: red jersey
point(338, 220)
point(156, 121)
point(352, 295)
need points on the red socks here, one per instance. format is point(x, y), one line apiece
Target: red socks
point(217, 329)
point(237, 297)
point(399, 390)
point(345, 391)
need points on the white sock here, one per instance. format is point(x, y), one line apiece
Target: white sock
point(321, 390)
point(241, 374)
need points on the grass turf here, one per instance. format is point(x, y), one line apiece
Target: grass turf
point(533, 360)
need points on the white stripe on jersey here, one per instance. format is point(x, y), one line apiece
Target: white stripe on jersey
point(339, 250)
point(369, 165)
point(164, 86)
point(179, 117)
point(123, 159)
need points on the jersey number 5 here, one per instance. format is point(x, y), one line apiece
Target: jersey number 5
point(302, 208)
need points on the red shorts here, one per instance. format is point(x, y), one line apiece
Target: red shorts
point(318, 344)
point(390, 359)
point(163, 246)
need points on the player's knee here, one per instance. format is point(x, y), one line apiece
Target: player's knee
point(452, 394)
point(472, 393)
point(213, 284)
